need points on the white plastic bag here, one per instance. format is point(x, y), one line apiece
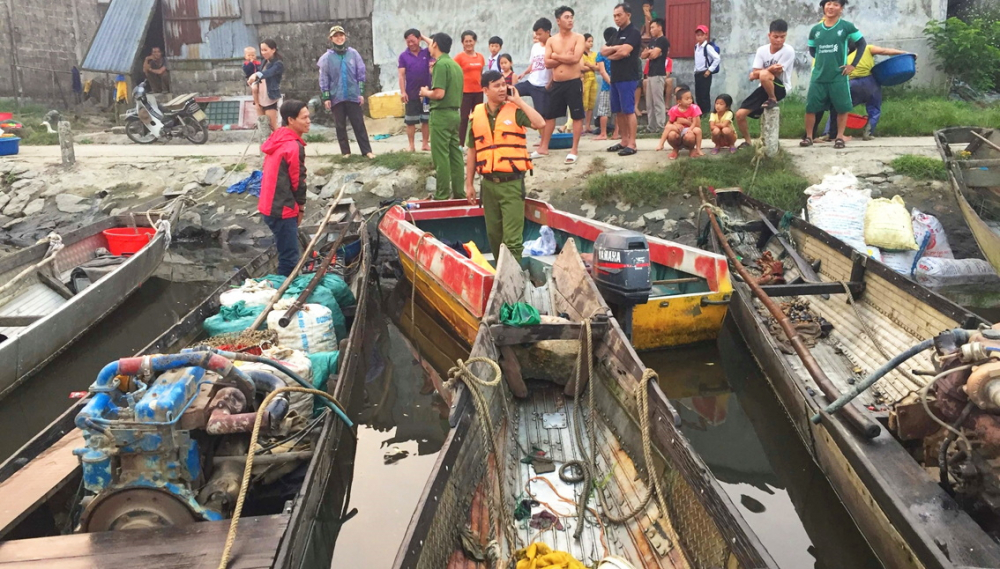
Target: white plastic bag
point(900, 261)
point(936, 272)
point(311, 329)
point(836, 206)
point(253, 293)
point(924, 225)
point(544, 245)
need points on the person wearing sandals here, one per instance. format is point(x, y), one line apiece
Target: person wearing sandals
point(721, 123)
point(829, 85)
point(772, 66)
point(683, 128)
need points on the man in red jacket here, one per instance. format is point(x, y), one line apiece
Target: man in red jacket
point(283, 187)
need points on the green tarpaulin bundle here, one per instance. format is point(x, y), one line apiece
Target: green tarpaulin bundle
point(519, 314)
point(232, 319)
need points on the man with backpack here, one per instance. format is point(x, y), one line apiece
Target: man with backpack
point(706, 64)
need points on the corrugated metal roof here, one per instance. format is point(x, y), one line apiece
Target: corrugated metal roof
point(206, 29)
point(118, 40)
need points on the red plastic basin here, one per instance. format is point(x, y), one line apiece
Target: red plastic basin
point(6, 116)
point(127, 241)
point(856, 121)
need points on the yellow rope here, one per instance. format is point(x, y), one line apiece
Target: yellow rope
point(245, 484)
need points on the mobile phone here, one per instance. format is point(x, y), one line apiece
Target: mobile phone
point(510, 90)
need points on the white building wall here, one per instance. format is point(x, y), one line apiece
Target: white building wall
point(740, 27)
point(509, 19)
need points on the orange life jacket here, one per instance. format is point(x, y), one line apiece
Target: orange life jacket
point(505, 149)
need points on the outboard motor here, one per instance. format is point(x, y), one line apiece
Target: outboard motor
point(622, 272)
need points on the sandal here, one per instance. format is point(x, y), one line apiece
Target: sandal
point(615, 148)
point(806, 142)
point(839, 143)
point(715, 150)
point(741, 147)
point(673, 155)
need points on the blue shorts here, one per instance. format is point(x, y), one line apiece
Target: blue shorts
point(623, 97)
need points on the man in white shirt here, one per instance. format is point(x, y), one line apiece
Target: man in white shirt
point(772, 66)
point(706, 64)
point(536, 78)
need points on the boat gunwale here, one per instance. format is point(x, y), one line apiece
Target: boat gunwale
point(868, 458)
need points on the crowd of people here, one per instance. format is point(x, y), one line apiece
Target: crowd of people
point(474, 119)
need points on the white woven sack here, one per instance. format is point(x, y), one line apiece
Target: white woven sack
point(311, 329)
point(253, 293)
point(837, 206)
point(935, 272)
point(937, 246)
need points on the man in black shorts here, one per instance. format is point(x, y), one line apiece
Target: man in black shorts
point(563, 52)
point(772, 66)
point(414, 73)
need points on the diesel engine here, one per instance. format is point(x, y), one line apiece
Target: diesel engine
point(967, 390)
point(166, 437)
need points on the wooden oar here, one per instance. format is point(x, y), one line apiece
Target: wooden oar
point(302, 261)
point(989, 142)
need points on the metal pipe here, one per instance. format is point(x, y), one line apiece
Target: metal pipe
point(860, 422)
point(286, 319)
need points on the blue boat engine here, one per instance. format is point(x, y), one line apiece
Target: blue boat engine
point(155, 430)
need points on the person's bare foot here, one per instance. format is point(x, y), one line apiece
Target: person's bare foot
point(615, 137)
point(411, 149)
point(425, 148)
point(370, 155)
point(601, 137)
point(847, 138)
point(695, 153)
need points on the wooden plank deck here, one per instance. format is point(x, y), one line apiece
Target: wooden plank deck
point(195, 546)
point(38, 480)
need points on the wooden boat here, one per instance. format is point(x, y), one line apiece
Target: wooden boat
point(40, 316)
point(972, 156)
point(881, 457)
point(690, 286)
point(295, 526)
point(472, 491)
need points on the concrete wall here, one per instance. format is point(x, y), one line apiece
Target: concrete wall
point(509, 19)
point(46, 36)
point(740, 27)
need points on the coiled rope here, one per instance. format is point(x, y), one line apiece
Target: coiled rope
point(245, 483)
point(474, 384)
point(589, 464)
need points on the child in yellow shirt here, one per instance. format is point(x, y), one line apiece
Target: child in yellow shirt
point(721, 123)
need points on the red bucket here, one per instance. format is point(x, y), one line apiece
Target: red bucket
point(856, 121)
point(6, 116)
point(127, 241)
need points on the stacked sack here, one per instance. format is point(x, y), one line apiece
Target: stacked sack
point(913, 244)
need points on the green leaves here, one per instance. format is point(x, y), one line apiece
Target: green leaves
point(969, 52)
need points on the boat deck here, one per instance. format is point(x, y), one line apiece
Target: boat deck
point(545, 421)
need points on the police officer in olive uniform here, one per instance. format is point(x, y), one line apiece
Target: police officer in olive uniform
point(498, 150)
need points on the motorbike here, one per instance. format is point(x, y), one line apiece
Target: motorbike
point(148, 122)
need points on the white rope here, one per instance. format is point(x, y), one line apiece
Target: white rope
point(55, 245)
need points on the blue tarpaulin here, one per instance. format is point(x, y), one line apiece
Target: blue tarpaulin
point(251, 183)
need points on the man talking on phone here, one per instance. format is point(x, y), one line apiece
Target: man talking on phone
point(498, 150)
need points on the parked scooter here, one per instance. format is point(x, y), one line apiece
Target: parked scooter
point(148, 122)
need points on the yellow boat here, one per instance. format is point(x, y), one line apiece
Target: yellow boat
point(691, 287)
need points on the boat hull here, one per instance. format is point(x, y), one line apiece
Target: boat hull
point(878, 480)
point(24, 354)
point(457, 290)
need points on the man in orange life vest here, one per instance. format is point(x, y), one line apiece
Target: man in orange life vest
point(498, 150)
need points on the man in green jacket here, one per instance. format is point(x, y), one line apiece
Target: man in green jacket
point(445, 94)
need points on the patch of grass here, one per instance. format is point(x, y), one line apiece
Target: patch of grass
point(85, 141)
point(241, 167)
point(904, 113)
point(38, 137)
point(124, 188)
point(314, 137)
point(324, 171)
point(391, 160)
point(777, 182)
point(597, 166)
point(920, 167)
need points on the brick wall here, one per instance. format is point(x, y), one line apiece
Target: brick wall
point(46, 36)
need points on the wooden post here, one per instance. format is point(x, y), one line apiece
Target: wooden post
point(66, 144)
point(264, 128)
point(769, 126)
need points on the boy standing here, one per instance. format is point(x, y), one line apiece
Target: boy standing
point(537, 75)
point(656, 53)
point(772, 66)
point(829, 85)
point(706, 63)
point(603, 108)
point(493, 61)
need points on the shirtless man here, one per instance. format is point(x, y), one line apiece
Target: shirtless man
point(563, 54)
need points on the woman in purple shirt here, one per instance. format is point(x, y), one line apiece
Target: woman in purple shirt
point(414, 73)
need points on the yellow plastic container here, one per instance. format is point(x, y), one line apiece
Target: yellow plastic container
point(383, 105)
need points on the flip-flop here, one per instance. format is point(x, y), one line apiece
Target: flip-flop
point(732, 149)
point(839, 143)
point(673, 155)
point(535, 155)
point(715, 150)
point(570, 159)
point(615, 148)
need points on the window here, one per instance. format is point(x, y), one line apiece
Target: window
point(683, 16)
